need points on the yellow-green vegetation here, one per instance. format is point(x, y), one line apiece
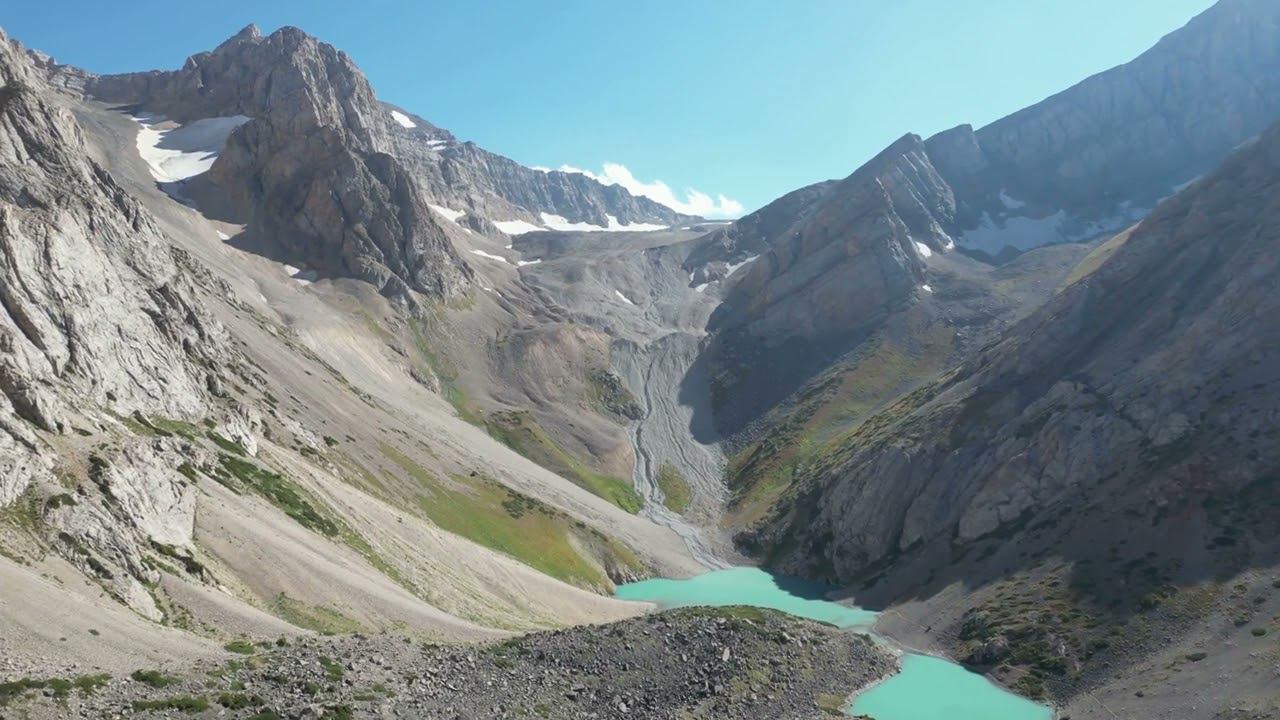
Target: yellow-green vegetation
point(829, 703)
point(491, 514)
point(1097, 258)
point(230, 446)
point(831, 408)
point(324, 620)
point(446, 372)
point(154, 678)
point(57, 687)
point(242, 647)
point(521, 432)
point(182, 703)
point(606, 392)
point(676, 493)
point(159, 427)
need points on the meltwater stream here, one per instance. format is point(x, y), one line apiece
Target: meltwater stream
point(927, 688)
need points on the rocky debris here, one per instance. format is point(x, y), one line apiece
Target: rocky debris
point(615, 396)
point(732, 663)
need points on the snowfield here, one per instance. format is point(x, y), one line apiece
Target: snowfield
point(403, 119)
point(182, 152)
point(490, 256)
point(734, 267)
point(517, 227)
point(562, 224)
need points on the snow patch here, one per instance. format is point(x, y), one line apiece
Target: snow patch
point(184, 151)
point(522, 263)
point(304, 277)
point(734, 267)
point(403, 119)
point(558, 222)
point(701, 288)
point(447, 213)
point(561, 223)
point(223, 236)
point(622, 297)
point(437, 144)
point(517, 227)
point(924, 250)
point(616, 226)
point(1022, 233)
point(490, 256)
point(926, 288)
point(1010, 203)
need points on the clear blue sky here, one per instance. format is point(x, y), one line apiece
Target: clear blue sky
point(748, 98)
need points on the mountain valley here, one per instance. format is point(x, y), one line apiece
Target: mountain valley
point(309, 408)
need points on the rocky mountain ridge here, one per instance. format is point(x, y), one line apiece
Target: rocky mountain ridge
point(327, 177)
point(1078, 166)
point(1142, 396)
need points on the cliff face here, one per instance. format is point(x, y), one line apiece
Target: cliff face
point(1099, 154)
point(98, 317)
point(1145, 390)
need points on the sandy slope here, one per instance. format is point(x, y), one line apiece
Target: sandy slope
point(57, 624)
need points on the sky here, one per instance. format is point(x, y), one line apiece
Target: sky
point(715, 107)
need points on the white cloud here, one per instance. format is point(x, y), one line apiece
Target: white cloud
point(694, 202)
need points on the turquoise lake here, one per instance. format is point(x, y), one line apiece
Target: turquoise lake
point(927, 688)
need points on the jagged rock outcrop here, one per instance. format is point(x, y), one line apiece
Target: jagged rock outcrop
point(1145, 393)
point(98, 318)
point(94, 301)
point(827, 279)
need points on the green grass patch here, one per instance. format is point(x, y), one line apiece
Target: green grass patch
point(519, 431)
point(57, 687)
point(154, 678)
point(238, 701)
point(676, 493)
point(606, 392)
point(230, 446)
point(182, 703)
point(332, 669)
point(1096, 259)
point(284, 494)
point(829, 411)
point(242, 647)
